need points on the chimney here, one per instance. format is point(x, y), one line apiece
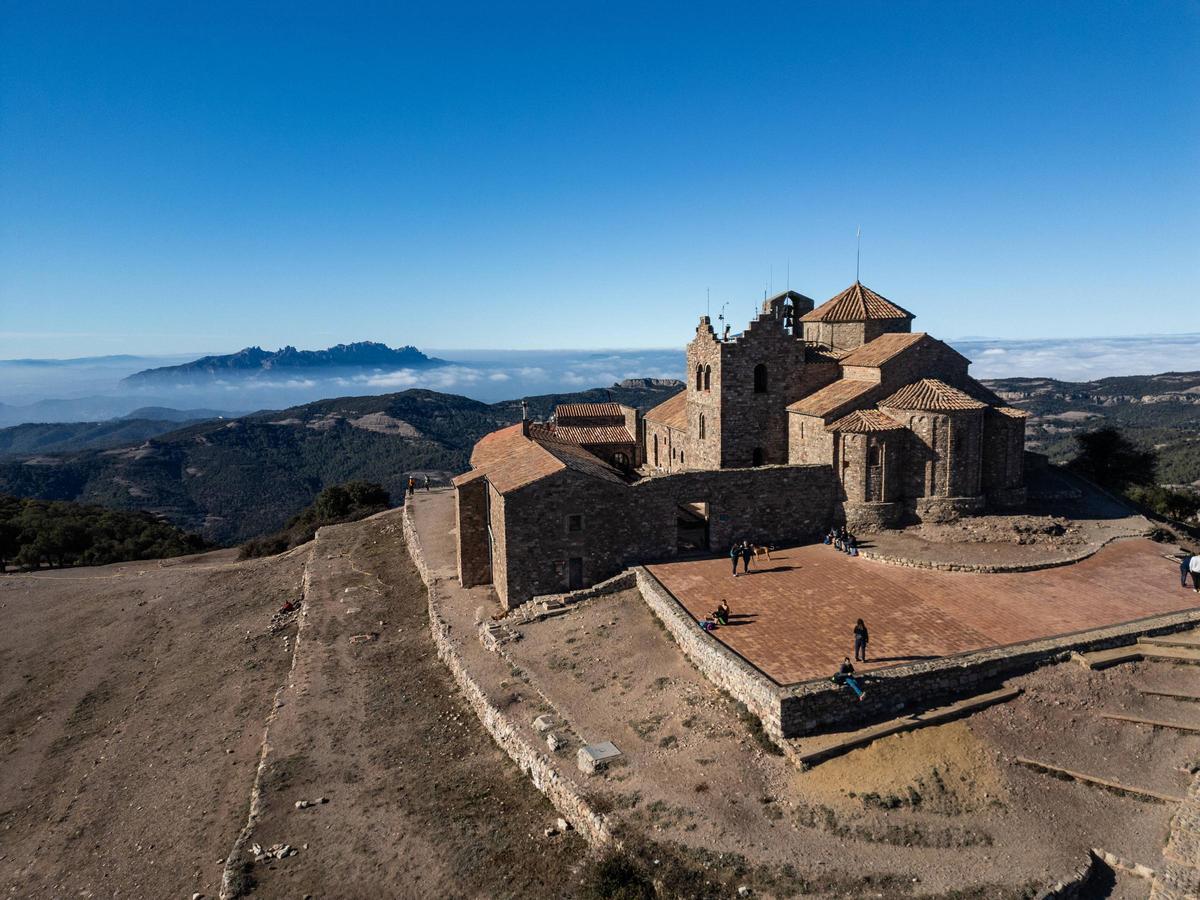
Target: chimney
point(525, 418)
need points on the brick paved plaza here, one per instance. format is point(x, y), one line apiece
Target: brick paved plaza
point(793, 617)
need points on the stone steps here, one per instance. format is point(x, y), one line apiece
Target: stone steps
point(1180, 648)
point(809, 751)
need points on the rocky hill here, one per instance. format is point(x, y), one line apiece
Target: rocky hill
point(231, 480)
point(254, 361)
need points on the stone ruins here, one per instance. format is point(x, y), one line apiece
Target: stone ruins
point(809, 417)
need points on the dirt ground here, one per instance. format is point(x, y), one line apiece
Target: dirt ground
point(923, 813)
point(134, 700)
point(133, 705)
point(1035, 535)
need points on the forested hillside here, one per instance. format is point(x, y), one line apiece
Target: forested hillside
point(1159, 412)
point(231, 480)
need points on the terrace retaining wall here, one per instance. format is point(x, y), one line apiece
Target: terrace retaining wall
point(563, 794)
point(811, 707)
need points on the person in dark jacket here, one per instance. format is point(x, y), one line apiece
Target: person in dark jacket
point(747, 553)
point(735, 553)
point(845, 676)
point(860, 641)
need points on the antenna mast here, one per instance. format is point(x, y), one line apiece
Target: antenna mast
point(858, 254)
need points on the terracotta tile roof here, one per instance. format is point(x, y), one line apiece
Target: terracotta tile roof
point(883, 348)
point(591, 434)
point(568, 411)
point(1011, 411)
point(929, 393)
point(822, 355)
point(855, 304)
point(977, 391)
point(862, 421)
point(672, 412)
point(510, 460)
point(832, 398)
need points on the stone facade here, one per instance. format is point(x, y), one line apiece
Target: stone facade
point(807, 417)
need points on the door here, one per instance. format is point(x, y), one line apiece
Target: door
point(575, 573)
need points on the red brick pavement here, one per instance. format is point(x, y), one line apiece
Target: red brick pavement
point(800, 608)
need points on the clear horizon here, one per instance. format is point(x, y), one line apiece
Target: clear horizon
point(539, 178)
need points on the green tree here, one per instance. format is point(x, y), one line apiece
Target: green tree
point(1109, 458)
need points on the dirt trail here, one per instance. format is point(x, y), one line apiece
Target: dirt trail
point(416, 792)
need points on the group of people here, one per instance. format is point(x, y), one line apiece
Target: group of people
point(744, 552)
point(846, 674)
point(411, 488)
point(842, 540)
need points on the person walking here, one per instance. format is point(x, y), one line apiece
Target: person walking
point(860, 641)
point(735, 553)
point(747, 553)
point(425, 482)
point(412, 486)
point(1190, 566)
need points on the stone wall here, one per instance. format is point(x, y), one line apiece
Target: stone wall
point(716, 662)
point(497, 539)
point(808, 442)
point(813, 707)
point(625, 525)
point(1003, 458)
point(471, 521)
point(670, 442)
point(562, 793)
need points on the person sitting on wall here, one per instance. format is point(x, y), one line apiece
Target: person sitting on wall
point(852, 545)
point(722, 613)
point(845, 676)
point(830, 536)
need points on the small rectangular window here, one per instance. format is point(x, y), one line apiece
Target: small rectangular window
point(575, 523)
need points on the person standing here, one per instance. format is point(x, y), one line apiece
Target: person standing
point(860, 641)
point(412, 486)
point(425, 482)
point(735, 553)
point(747, 553)
point(1190, 565)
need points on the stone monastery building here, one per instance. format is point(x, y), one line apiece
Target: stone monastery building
point(809, 417)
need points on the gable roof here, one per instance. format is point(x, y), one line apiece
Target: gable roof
point(833, 397)
point(671, 412)
point(584, 434)
point(566, 411)
point(856, 304)
point(862, 421)
point(511, 460)
point(929, 393)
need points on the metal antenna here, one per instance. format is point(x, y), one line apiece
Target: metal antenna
point(858, 255)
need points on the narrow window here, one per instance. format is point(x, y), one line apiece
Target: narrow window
point(656, 450)
point(681, 457)
point(701, 426)
point(575, 523)
point(760, 379)
point(708, 378)
point(699, 378)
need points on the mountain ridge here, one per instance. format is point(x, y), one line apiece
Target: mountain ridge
point(251, 361)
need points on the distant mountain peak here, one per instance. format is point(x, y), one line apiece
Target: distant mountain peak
point(251, 361)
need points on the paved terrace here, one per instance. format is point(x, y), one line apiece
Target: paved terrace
point(794, 616)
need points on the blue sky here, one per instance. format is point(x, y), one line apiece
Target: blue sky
point(182, 177)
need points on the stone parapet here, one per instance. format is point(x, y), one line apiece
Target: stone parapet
point(720, 665)
point(563, 794)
